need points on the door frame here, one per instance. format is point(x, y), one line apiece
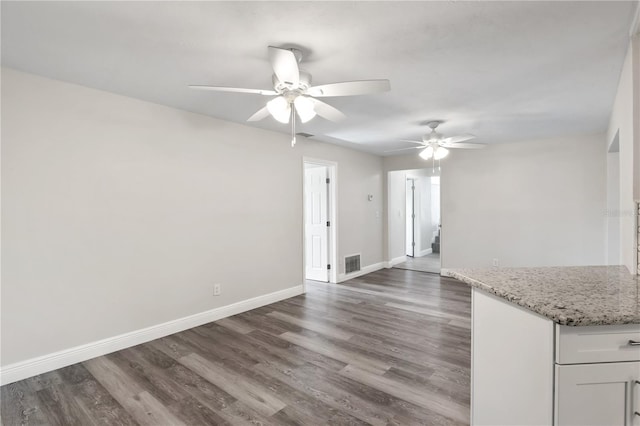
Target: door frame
point(332, 244)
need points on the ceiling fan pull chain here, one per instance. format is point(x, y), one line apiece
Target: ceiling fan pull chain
point(293, 127)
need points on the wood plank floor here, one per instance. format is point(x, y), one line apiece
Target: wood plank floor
point(391, 347)
point(427, 263)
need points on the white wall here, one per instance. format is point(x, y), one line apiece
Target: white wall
point(635, 75)
point(396, 191)
point(424, 215)
point(119, 214)
point(624, 117)
point(537, 203)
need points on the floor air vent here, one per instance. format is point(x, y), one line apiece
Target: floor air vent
point(352, 263)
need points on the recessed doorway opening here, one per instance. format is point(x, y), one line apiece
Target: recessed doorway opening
point(414, 220)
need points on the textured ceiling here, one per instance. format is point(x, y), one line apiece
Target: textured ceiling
point(504, 71)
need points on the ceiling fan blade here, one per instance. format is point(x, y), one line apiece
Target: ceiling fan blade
point(285, 65)
point(456, 139)
point(407, 140)
point(325, 110)
point(235, 89)
point(350, 88)
point(464, 145)
point(405, 149)
point(260, 115)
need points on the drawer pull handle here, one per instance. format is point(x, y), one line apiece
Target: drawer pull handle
point(633, 343)
point(637, 382)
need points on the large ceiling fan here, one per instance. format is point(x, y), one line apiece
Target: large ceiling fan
point(435, 146)
point(295, 95)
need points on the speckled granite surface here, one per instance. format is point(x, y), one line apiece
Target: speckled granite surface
point(577, 295)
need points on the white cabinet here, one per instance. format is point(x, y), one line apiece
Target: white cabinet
point(597, 343)
point(597, 394)
point(526, 370)
point(595, 375)
point(511, 364)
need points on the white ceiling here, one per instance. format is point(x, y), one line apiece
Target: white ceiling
point(504, 71)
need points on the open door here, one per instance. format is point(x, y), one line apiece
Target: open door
point(316, 222)
point(411, 219)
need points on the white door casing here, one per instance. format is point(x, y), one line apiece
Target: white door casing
point(316, 229)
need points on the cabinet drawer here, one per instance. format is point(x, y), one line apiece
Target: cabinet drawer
point(606, 343)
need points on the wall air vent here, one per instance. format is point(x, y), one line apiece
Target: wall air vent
point(352, 263)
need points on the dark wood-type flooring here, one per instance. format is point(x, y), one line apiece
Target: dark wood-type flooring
point(391, 347)
point(427, 263)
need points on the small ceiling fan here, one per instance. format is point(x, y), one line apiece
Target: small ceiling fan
point(295, 95)
point(435, 145)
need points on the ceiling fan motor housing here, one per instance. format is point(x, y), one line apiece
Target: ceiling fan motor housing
point(431, 137)
point(434, 124)
point(304, 83)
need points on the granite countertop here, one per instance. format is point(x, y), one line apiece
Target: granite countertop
point(572, 295)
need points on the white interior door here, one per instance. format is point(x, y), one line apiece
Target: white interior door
point(316, 225)
point(411, 219)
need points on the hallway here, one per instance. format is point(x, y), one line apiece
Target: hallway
point(427, 263)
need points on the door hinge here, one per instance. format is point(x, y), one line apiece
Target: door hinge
point(328, 223)
point(413, 244)
point(328, 180)
point(328, 267)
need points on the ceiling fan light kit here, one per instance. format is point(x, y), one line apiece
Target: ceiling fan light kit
point(440, 153)
point(427, 153)
point(305, 108)
point(435, 146)
point(279, 109)
point(295, 95)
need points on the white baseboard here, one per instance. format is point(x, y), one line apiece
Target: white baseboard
point(363, 271)
point(425, 252)
point(32, 367)
point(391, 263)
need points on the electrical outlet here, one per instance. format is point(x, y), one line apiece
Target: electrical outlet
point(216, 289)
point(496, 262)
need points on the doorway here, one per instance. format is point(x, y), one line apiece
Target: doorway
point(319, 220)
point(414, 220)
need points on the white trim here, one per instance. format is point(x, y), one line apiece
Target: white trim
point(472, 363)
point(635, 23)
point(363, 271)
point(425, 252)
point(34, 366)
point(391, 263)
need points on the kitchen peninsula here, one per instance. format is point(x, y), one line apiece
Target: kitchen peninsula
point(554, 345)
